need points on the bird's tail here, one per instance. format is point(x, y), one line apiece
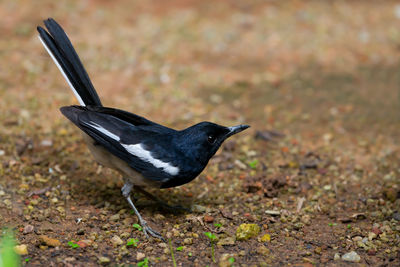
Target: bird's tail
point(67, 60)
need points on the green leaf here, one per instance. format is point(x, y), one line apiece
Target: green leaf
point(179, 248)
point(137, 226)
point(132, 242)
point(27, 259)
point(231, 260)
point(8, 257)
point(253, 164)
point(210, 236)
point(72, 244)
point(143, 263)
point(217, 225)
point(190, 254)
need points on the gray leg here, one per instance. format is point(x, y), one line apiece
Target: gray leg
point(126, 191)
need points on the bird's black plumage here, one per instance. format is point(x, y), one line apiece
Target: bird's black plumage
point(66, 57)
point(189, 149)
point(143, 151)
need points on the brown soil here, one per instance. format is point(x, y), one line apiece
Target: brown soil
point(318, 170)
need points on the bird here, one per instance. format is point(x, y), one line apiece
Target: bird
point(145, 153)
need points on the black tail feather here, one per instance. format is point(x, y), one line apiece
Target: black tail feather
point(63, 53)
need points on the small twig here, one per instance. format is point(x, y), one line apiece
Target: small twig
point(226, 214)
point(336, 190)
point(200, 220)
point(38, 191)
point(300, 204)
point(203, 193)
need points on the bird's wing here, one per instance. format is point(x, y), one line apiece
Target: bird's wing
point(127, 141)
point(123, 115)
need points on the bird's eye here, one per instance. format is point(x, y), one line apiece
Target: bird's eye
point(211, 139)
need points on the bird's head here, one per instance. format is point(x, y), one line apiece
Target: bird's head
point(202, 140)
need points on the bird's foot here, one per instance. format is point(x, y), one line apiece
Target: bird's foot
point(147, 230)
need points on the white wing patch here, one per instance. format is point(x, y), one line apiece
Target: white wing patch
point(103, 130)
point(63, 73)
point(138, 151)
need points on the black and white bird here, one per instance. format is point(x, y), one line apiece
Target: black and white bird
point(144, 152)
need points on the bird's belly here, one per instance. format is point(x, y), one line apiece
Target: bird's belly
point(105, 158)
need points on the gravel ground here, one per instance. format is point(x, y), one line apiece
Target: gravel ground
point(315, 181)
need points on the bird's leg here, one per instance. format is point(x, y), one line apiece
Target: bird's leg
point(126, 192)
point(161, 202)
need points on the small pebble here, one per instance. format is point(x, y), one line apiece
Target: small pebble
point(227, 241)
point(246, 231)
point(80, 232)
point(198, 208)
point(28, 229)
point(263, 250)
point(351, 257)
point(240, 164)
point(265, 238)
point(104, 260)
point(51, 242)
point(396, 216)
point(336, 257)
point(371, 236)
point(84, 243)
point(208, 219)
point(273, 212)
point(140, 256)
point(159, 217)
point(188, 241)
point(46, 143)
point(390, 194)
point(318, 250)
point(105, 226)
point(124, 235)
point(162, 245)
point(376, 230)
point(116, 241)
point(163, 258)
point(21, 249)
point(115, 217)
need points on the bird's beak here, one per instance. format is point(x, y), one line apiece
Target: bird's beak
point(236, 129)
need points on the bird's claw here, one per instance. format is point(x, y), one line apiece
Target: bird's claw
point(147, 230)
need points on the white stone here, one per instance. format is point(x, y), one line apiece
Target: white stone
point(352, 256)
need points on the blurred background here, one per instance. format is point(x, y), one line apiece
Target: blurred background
point(318, 81)
point(312, 67)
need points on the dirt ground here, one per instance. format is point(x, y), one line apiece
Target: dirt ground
point(317, 172)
